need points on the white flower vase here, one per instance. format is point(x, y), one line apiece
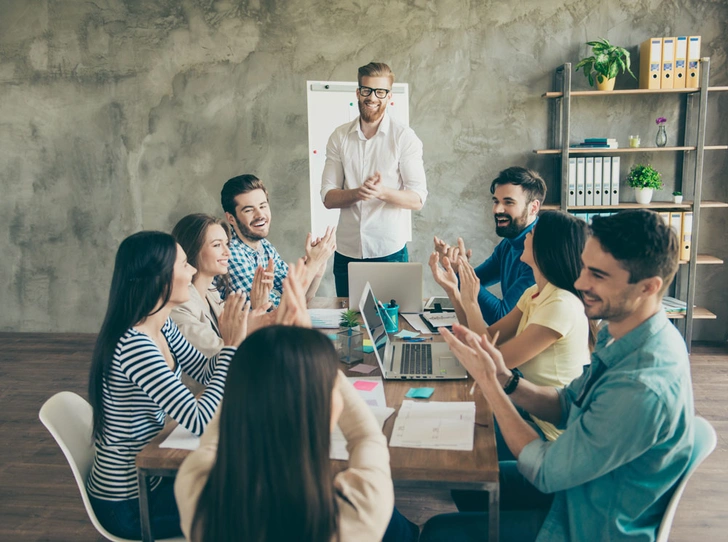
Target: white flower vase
point(643, 195)
point(677, 199)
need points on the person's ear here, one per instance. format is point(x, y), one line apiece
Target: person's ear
point(652, 285)
point(230, 218)
point(535, 207)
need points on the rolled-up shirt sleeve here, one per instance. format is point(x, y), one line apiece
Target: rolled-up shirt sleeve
point(585, 450)
point(333, 175)
point(411, 166)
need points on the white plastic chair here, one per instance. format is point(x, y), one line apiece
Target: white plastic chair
point(69, 418)
point(705, 441)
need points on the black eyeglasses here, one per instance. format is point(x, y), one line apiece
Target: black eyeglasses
point(380, 93)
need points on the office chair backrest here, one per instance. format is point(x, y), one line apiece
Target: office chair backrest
point(705, 441)
point(69, 418)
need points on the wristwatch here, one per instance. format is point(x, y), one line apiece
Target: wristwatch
point(512, 383)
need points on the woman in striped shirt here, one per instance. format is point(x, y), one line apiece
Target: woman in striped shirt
point(135, 378)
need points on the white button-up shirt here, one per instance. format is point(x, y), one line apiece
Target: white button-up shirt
point(373, 229)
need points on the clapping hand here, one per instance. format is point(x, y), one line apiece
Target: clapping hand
point(452, 253)
point(444, 276)
point(469, 282)
point(319, 250)
point(233, 321)
point(476, 353)
point(292, 310)
point(372, 188)
point(262, 285)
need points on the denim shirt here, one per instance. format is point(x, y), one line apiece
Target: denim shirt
point(624, 449)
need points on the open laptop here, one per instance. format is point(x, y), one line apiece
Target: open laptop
point(406, 360)
point(392, 280)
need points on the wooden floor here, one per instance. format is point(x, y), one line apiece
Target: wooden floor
point(39, 499)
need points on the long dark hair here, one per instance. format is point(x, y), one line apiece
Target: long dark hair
point(558, 241)
point(272, 479)
point(190, 233)
point(143, 274)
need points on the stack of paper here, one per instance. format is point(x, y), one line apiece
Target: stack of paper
point(325, 318)
point(670, 304)
point(435, 425)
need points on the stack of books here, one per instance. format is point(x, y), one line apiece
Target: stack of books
point(597, 143)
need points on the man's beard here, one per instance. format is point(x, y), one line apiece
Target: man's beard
point(367, 115)
point(514, 227)
point(246, 232)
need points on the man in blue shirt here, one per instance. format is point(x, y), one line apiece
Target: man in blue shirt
point(517, 197)
point(254, 266)
point(628, 419)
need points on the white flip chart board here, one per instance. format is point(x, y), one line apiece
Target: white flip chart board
point(331, 104)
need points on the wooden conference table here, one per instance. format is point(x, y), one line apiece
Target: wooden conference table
point(411, 468)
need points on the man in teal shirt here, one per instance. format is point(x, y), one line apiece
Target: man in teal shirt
point(628, 419)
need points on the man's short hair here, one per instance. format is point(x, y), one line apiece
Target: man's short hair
point(641, 242)
point(530, 181)
point(242, 184)
point(376, 69)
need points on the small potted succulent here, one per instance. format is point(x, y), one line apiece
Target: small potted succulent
point(350, 341)
point(677, 196)
point(605, 64)
point(644, 180)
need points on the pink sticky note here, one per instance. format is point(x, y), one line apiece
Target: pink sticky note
point(363, 368)
point(363, 385)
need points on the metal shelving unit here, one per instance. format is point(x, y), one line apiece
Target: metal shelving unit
point(693, 146)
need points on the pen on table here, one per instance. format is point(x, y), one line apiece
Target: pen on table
point(495, 339)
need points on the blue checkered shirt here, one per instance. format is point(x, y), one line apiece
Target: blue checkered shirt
point(243, 262)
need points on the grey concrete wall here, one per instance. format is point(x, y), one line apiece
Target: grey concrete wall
point(122, 115)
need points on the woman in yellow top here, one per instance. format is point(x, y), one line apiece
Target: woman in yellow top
point(547, 336)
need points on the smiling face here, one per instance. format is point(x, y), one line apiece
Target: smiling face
point(181, 279)
point(252, 216)
point(512, 211)
point(372, 108)
point(605, 284)
point(213, 257)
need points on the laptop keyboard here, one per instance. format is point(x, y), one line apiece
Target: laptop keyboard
point(416, 359)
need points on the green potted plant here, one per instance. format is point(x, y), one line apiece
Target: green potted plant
point(644, 180)
point(605, 64)
point(350, 341)
point(677, 196)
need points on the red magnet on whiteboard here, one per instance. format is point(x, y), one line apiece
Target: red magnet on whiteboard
point(314, 152)
point(392, 103)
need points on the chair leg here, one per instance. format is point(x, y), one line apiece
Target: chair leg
point(144, 515)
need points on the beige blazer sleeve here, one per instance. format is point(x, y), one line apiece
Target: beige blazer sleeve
point(365, 493)
point(195, 322)
point(193, 475)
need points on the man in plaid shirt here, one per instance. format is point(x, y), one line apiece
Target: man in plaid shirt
point(255, 266)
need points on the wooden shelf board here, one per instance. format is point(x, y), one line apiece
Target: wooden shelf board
point(632, 91)
point(597, 150)
point(699, 313)
point(705, 259)
point(655, 205)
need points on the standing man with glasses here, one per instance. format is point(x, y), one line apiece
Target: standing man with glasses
point(373, 173)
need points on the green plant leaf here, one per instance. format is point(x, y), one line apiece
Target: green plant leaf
point(613, 71)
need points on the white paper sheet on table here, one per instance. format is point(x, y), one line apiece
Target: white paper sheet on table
point(182, 439)
point(435, 425)
point(338, 442)
point(325, 318)
point(416, 322)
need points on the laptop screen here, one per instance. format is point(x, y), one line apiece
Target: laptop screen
point(373, 321)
